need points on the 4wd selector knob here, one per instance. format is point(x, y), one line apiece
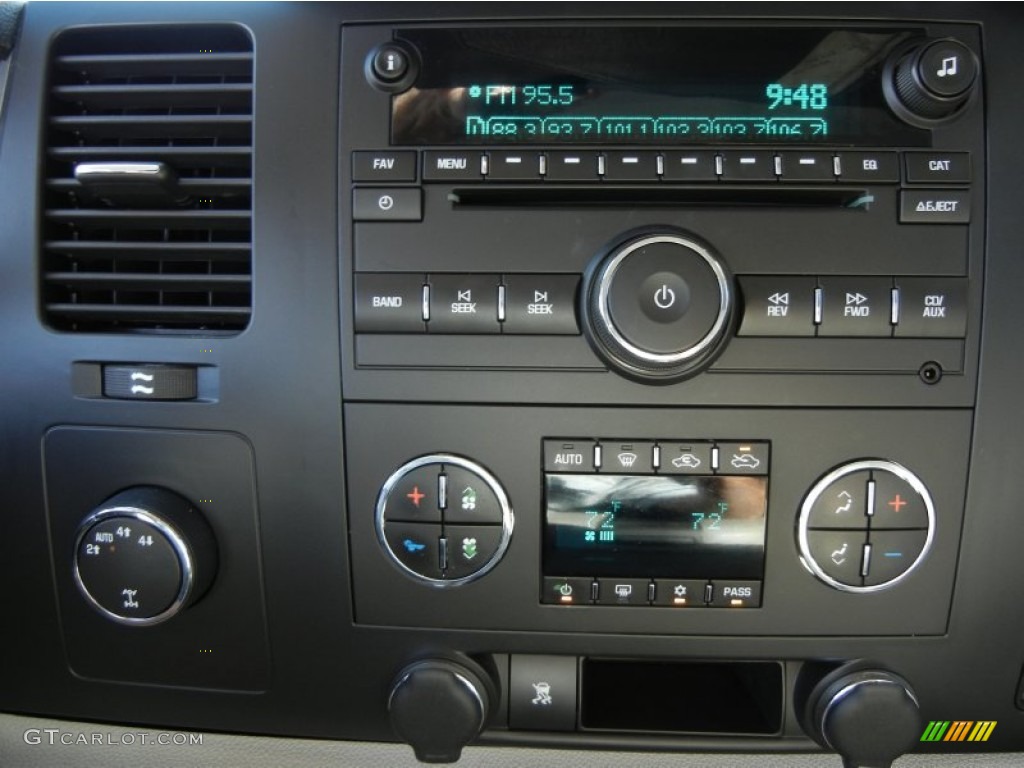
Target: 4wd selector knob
point(144, 555)
point(657, 306)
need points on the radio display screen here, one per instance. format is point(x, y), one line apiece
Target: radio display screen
point(643, 85)
point(661, 526)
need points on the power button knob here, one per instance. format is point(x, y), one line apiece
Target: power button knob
point(657, 306)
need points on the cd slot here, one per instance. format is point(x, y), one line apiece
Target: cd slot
point(851, 198)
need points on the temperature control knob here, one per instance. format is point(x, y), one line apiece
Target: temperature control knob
point(932, 81)
point(144, 555)
point(657, 306)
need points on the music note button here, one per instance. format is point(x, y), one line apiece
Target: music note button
point(947, 68)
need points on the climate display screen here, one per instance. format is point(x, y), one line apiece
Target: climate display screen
point(637, 85)
point(657, 526)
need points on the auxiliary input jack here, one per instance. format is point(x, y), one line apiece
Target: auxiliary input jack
point(930, 373)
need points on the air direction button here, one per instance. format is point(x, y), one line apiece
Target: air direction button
point(469, 498)
point(843, 504)
point(415, 546)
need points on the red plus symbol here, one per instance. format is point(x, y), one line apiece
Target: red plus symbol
point(416, 495)
point(896, 504)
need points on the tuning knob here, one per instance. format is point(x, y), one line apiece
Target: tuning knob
point(932, 81)
point(869, 716)
point(144, 555)
point(657, 305)
point(439, 706)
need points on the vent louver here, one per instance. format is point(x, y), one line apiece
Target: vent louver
point(147, 223)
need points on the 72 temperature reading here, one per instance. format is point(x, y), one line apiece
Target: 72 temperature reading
point(805, 96)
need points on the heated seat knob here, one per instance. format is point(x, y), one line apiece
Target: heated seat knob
point(869, 716)
point(144, 555)
point(932, 81)
point(438, 706)
point(657, 305)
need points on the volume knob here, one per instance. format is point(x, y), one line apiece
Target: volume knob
point(657, 305)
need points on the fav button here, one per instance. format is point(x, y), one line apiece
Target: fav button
point(383, 166)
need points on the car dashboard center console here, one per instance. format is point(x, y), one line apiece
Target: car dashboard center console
point(438, 375)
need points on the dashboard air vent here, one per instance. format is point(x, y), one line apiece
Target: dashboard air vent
point(147, 222)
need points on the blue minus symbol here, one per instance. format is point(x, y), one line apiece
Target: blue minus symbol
point(894, 554)
point(413, 546)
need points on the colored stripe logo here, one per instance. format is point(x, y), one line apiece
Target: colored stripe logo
point(958, 730)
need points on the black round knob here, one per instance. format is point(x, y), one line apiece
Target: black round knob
point(439, 706)
point(932, 81)
point(657, 305)
point(869, 716)
point(144, 555)
point(391, 67)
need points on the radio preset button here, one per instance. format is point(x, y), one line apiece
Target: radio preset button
point(463, 304)
point(541, 304)
point(807, 166)
point(388, 303)
point(777, 306)
point(397, 204)
point(736, 594)
point(932, 307)
point(572, 166)
point(383, 166)
point(698, 165)
point(572, 590)
point(856, 306)
point(453, 165)
point(513, 166)
point(743, 458)
point(738, 165)
point(876, 167)
point(631, 166)
point(935, 206)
